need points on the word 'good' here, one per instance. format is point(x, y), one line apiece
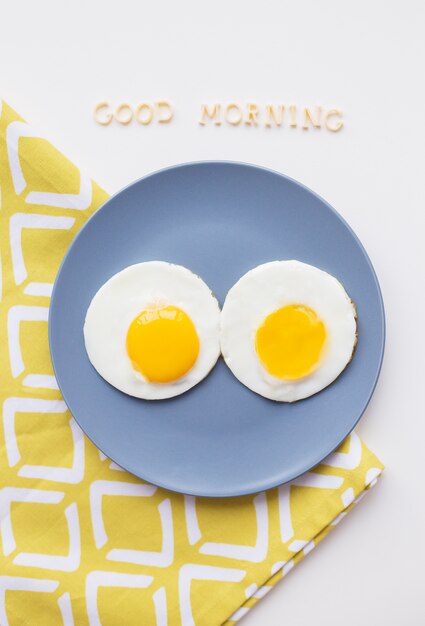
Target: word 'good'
point(272, 115)
point(143, 113)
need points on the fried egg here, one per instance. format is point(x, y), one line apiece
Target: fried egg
point(288, 329)
point(152, 330)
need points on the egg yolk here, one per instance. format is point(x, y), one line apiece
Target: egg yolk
point(162, 344)
point(290, 341)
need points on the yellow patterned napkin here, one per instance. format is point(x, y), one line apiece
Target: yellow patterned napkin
point(83, 543)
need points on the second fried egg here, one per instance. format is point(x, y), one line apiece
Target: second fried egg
point(288, 329)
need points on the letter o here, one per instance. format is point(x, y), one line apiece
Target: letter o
point(234, 121)
point(144, 106)
point(122, 107)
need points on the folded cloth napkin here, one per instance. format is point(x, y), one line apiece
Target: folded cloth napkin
point(83, 543)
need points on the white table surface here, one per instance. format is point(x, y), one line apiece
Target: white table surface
point(58, 59)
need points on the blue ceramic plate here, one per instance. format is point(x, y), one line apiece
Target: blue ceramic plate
point(219, 219)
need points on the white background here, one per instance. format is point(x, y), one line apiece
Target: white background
point(57, 60)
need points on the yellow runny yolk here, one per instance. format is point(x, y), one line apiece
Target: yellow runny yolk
point(162, 344)
point(290, 341)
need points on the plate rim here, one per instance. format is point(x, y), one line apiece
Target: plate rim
point(274, 483)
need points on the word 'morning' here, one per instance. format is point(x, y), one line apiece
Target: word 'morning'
point(251, 114)
point(143, 113)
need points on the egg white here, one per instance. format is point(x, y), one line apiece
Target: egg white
point(267, 288)
point(127, 294)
